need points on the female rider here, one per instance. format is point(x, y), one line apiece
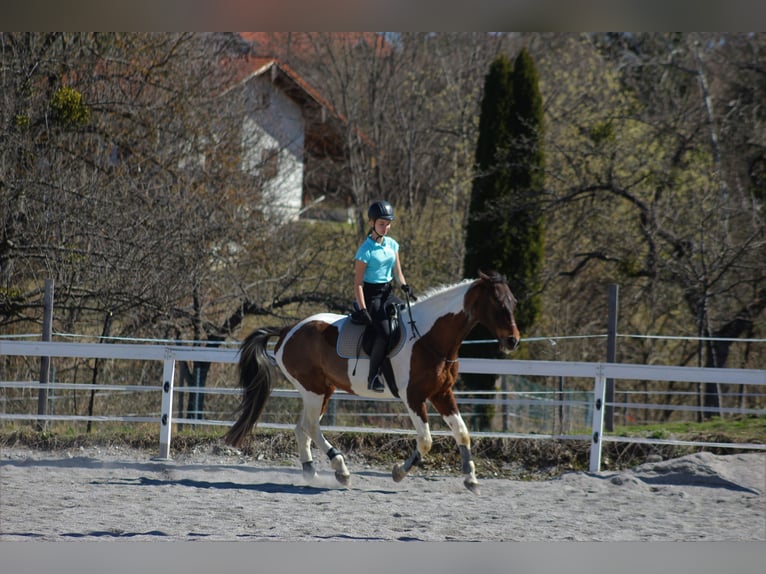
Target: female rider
point(375, 264)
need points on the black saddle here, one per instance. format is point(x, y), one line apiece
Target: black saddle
point(393, 310)
point(356, 339)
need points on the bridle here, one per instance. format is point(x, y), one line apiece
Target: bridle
point(494, 279)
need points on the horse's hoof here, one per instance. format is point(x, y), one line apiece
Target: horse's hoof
point(398, 473)
point(309, 471)
point(344, 479)
point(472, 485)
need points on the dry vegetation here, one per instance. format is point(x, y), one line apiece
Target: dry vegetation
point(524, 459)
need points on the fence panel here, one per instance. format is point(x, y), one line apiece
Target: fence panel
point(169, 355)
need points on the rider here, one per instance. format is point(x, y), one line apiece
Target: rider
point(375, 264)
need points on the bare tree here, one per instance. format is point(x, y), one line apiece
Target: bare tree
point(640, 192)
point(411, 101)
point(121, 178)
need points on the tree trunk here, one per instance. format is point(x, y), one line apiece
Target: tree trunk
point(717, 351)
point(105, 332)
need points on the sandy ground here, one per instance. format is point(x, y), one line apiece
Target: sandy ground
point(117, 494)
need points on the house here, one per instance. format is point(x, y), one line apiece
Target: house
point(293, 142)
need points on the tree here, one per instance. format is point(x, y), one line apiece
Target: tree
point(121, 179)
point(523, 229)
point(644, 194)
point(504, 230)
point(492, 181)
point(119, 186)
point(98, 197)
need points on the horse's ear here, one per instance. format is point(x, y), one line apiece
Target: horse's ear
point(483, 275)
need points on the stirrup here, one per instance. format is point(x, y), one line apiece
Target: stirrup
point(377, 384)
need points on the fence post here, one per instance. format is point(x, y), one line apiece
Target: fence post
point(599, 393)
point(166, 418)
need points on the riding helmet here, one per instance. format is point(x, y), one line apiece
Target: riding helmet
point(381, 210)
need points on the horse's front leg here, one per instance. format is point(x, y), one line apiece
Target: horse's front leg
point(419, 419)
point(446, 404)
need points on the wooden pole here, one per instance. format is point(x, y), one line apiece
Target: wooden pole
point(45, 362)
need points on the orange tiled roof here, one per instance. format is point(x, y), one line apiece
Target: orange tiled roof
point(284, 44)
point(250, 66)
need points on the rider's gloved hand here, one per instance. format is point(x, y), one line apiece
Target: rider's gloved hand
point(361, 317)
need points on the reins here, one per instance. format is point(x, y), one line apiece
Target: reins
point(416, 332)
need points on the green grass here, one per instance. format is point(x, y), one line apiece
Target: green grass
point(735, 430)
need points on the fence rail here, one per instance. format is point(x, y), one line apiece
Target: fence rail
point(598, 372)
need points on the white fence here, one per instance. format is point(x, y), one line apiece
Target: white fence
point(598, 372)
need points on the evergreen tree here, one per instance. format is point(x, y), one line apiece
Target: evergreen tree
point(492, 178)
point(504, 230)
point(522, 229)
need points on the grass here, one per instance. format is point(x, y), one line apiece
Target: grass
point(511, 458)
point(734, 430)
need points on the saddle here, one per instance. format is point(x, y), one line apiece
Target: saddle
point(355, 340)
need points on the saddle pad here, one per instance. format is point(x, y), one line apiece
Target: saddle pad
point(350, 340)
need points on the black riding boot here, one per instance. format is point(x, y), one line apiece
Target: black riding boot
point(375, 380)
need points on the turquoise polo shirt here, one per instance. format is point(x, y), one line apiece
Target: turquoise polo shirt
point(380, 259)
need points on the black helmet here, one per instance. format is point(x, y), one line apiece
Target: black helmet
point(381, 210)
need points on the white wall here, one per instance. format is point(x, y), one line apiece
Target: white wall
point(274, 123)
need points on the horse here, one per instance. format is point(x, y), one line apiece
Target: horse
point(425, 369)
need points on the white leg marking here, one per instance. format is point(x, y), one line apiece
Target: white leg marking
point(303, 439)
point(423, 430)
point(424, 443)
point(459, 429)
point(313, 414)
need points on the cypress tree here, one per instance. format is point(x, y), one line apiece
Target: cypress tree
point(504, 231)
point(522, 229)
point(491, 180)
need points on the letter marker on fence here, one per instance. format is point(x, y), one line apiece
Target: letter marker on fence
point(166, 421)
point(599, 396)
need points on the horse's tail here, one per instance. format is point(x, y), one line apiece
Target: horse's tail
point(256, 372)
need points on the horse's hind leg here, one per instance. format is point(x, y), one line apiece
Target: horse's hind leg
point(303, 438)
point(313, 409)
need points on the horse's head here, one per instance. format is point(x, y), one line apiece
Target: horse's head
point(490, 302)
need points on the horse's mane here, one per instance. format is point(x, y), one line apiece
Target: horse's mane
point(435, 291)
point(493, 276)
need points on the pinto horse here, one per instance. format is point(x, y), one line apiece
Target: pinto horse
point(425, 369)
